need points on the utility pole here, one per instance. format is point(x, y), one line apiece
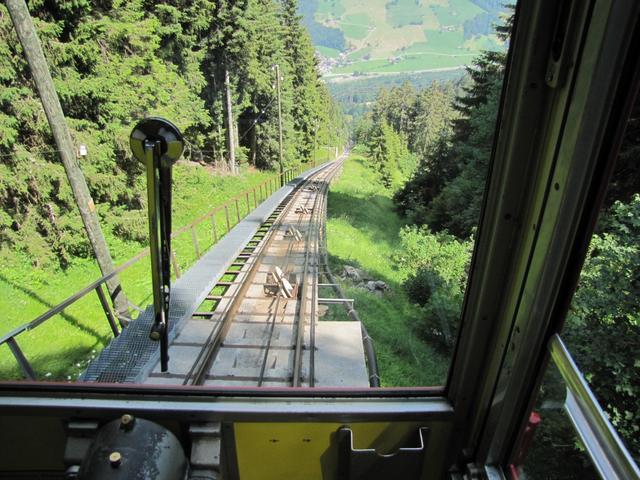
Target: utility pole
point(40, 71)
point(315, 143)
point(277, 68)
point(230, 126)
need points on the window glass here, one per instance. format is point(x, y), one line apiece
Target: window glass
point(601, 333)
point(550, 447)
point(398, 107)
point(602, 330)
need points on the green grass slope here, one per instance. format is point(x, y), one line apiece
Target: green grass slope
point(363, 231)
point(60, 348)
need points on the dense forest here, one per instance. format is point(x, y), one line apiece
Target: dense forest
point(357, 95)
point(114, 62)
point(445, 134)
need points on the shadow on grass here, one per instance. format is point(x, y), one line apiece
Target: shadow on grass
point(69, 318)
point(404, 358)
point(369, 215)
point(366, 214)
point(337, 263)
point(52, 366)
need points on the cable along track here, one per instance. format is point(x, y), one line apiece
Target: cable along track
point(258, 325)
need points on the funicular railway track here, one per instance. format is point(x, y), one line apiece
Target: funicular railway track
point(257, 327)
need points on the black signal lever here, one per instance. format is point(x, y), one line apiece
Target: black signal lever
point(157, 143)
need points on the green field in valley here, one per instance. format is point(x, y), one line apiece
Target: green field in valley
point(409, 63)
point(456, 11)
point(405, 35)
point(328, 51)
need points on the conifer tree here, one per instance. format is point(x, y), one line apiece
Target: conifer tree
point(260, 115)
point(300, 55)
point(446, 189)
point(51, 105)
point(115, 62)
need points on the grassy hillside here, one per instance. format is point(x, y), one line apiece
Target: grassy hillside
point(60, 348)
point(382, 36)
point(363, 231)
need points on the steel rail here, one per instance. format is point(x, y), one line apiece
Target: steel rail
point(315, 222)
point(268, 345)
point(314, 286)
point(297, 362)
point(300, 320)
point(279, 297)
point(208, 354)
point(297, 359)
point(316, 276)
point(249, 262)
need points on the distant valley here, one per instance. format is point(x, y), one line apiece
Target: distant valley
point(362, 38)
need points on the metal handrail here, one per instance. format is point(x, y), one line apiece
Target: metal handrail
point(270, 185)
point(603, 444)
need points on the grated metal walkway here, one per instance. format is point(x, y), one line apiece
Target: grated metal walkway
point(130, 357)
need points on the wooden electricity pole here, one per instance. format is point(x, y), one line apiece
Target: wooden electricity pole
point(315, 143)
point(40, 71)
point(277, 67)
point(230, 125)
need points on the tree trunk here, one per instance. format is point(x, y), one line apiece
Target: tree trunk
point(219, 153)
point(315, 143)
point(231, 142)
point(253, 154)
point(39, 70)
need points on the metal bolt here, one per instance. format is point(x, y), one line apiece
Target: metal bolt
point(127, 421)
point(115, 458)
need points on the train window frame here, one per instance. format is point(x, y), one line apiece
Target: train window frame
point(534, 98)
point(569, 130)
point(97, 286)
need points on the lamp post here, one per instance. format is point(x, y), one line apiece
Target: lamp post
point(315, 142)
